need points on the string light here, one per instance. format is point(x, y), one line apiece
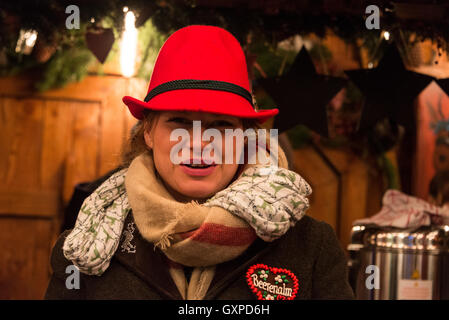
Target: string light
point(386, 35)
point(26, 41)
point(128, 45)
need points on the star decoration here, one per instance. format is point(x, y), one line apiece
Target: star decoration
point(302, 95)
point(444, 85)
point(389, 90)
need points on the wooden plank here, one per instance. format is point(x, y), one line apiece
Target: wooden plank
point(82, 161)
point(4, 141)
point(361, 191)
point(136, 88)
point(343, 53)
point(354, 197)
point(57, 136)
point(117, 122)
point(37, 202)
point(374, 192)
point(22, 123)
point(112, 130)
point(323, 201)
point(18, 85)
point(24, 258)
point(91, 89)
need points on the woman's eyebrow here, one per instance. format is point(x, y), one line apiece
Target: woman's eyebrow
point(179, 116)
point(192, 118)
point(223, 120)
point(176, 114)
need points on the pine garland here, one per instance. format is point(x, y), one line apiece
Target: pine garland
point(48, 18)
point(64, 67)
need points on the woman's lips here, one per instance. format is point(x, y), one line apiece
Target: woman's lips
point(198, 172)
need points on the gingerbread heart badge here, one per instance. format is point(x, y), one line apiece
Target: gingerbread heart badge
point(270, 283)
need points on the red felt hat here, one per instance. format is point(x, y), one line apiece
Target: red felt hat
point(200, 68)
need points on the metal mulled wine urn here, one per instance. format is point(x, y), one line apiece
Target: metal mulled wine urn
point(396, 264)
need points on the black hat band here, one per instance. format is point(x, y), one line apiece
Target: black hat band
point(200, 84)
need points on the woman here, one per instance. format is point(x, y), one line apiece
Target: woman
point(181, 221)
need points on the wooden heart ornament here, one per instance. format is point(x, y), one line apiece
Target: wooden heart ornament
point(270, 283)
point(99, 41)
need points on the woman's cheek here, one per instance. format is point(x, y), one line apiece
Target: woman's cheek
point(227, 173)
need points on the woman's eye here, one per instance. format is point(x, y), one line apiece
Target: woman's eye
point(179, 120)
point(223, 123)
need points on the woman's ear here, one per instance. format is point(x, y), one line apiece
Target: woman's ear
point(148, 138)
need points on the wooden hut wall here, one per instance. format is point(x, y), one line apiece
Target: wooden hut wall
point(50, 142)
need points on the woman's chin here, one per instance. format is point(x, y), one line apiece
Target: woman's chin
point(198, 191)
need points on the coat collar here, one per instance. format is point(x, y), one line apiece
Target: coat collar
point(150, 264)
point(228, 272)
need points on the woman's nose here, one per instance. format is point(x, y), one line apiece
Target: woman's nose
point(196, 139)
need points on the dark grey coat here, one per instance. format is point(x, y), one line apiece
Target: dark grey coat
point(310, 250)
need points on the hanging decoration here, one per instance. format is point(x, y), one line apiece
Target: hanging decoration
point(44, 49)
point(302, 95)
point(99, 41)
point(26, 41)
point(444, 85)
point(389, 90)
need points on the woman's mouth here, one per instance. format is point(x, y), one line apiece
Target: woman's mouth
point(202, 169)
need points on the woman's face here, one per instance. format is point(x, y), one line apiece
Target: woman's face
point(184, 181)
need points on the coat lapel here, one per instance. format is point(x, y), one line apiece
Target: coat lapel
point(228, 272)
point(147, 262)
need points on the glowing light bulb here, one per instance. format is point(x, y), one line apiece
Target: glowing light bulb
point(26, 41)
point(130, 20)
point(128, 45)
point(31, 40)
